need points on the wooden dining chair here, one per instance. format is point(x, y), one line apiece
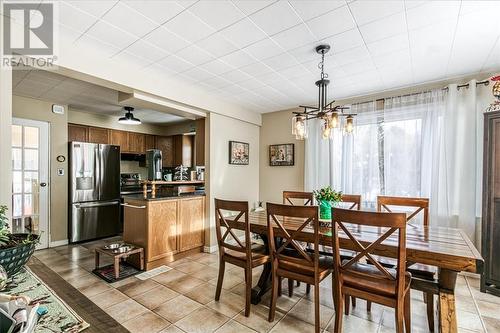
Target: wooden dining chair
point(288, 223)
point(372, 282)
point(295, 198)
point(232, 250)
point(418, 271)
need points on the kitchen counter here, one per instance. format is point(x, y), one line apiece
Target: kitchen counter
point(150, 197)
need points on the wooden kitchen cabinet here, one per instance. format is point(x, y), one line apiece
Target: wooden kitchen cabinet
point(165, 144)
point(136, 143)
point(119, 138)
point(183, 150)
point(98, 135)
point(191, 220)
point(150, 142)
point(199, 144)
point(163, 232)
point(78, 133)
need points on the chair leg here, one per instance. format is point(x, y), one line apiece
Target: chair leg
point(248, 289)
point(368, 306)
point(347, 305)
point(399, 316)
point(290, 287)
point(353, 301)
point(308, 289)
point(222, 268)
point(274, 296)
point(298, 283)
point(429, 300)
point(280, 283)
point(407, 312)
point(339, 308)
point(317, 321)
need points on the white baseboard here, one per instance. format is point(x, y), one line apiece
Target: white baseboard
point(210, 249)
point(59, 243)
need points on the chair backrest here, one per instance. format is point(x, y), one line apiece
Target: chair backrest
point(421, 204)
point(305, 197)
point(346, 220)
point(287, 222)
point(353, 201)
point(226, 236)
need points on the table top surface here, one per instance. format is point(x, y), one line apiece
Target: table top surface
point(447, 248)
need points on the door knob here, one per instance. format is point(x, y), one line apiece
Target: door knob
point(43, 184)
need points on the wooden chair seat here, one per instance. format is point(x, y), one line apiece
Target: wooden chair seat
point(259, 256)
point(369, 278)
point(325, 266)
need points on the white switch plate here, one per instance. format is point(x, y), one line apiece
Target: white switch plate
point(60, 172)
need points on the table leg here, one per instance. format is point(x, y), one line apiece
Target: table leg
point(96, 260)
point(117, 267)
point(264, 283)
point(447, 309)
point(141, 258)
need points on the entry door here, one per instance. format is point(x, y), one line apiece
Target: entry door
point(30, 175)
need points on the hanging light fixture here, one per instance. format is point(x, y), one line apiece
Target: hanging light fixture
point(129, 118)
point(329, 114)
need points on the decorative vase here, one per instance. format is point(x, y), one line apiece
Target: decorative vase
point(14, 258)
point(325, 210)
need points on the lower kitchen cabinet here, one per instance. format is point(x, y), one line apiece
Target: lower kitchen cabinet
point(167, 229)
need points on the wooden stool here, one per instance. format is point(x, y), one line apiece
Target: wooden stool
point(118, 256)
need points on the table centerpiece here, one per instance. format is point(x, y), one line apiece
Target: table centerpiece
point(327, 198)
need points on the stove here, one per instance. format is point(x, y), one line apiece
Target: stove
point(130, 183)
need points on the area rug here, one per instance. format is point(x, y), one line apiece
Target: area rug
point(59, 318)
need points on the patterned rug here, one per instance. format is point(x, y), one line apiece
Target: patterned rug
point(59, 318)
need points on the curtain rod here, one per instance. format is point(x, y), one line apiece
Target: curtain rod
point(485, 82)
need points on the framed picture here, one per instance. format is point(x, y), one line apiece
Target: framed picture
point(282, 155)
point(239, 153)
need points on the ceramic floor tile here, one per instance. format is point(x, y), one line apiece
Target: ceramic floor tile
point(83, 281)
point(72, 273)
point(127, 310)
point(469, 320)
point(203, 320)
point(479, 296)
point(229, 304)
point(177, 308)
point(257, 320)
point(168, 277)
point(138, 287)
point(466, 304)
point(353, 324)
point(304, 310)
point(185, 284)
point(190, 267)
point(208, 260)
point(234, 327)
point(148, 322)
point(124, 282)
point(239, 289)
point(95, 288)
point(492, 324)
point(108, 298)
point(375, 315)
point(172, 329)
point(204, 293)
point(291, 324)
point(206, 274)
point(156, 296)
point(230, 280)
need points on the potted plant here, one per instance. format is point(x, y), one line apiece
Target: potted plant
point(327, 198)
point(15, 249)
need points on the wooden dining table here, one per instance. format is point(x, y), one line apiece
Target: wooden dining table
point(447, 249)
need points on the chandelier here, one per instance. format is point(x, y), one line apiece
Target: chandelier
point(332, 116)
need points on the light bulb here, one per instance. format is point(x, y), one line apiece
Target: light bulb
point(299, 128)
point(333, 121)
point(349, 125)
point(326, 130)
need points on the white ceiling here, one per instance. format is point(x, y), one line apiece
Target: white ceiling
point(79, 95)
point(260, 54)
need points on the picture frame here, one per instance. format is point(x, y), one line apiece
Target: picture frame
point(239, 153)
point(282, 154)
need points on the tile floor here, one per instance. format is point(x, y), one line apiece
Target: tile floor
point(182, 300)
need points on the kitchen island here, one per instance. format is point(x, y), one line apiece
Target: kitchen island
point(168, 227)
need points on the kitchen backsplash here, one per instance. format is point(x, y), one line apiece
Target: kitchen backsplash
point(133, 166)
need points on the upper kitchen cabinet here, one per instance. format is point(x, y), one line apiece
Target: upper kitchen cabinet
point(166, 145)
point(183, 150)
point(150, 142)
point(199, 145)
point(98, 135)
point(78, 133)
point(119, 138)
point(136, 143)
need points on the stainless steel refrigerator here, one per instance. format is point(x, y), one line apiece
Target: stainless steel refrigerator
point(94, 191)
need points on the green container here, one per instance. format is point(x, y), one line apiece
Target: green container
point(325, 210)
point(14, 258)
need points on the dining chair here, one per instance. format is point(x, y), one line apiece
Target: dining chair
point(232, 249)
point(418, 271)
point(295, 198)
point(372, 282)
point(288, 223)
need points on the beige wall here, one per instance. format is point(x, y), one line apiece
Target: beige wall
point(226, 181)
point(5, 137)
point(276, 129)
point(28, 108)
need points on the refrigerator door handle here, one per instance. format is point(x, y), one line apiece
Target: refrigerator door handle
point(97, 170)
point(99, 204)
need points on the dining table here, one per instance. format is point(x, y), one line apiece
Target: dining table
point(449, 250)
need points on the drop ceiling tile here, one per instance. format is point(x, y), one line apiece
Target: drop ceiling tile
point(308, 9)
point(75, 18)
point(384, 28)
point(432, 42)
point(292, 72)
point(195, 55)
point(388, 45)
point(147, 51)
point(235, 76)
point(131, 61)
point(305, 53)
point(432, 12)
point(158, 11)
point(294, 37)
point(243, 33)
point(128, 19)
point(264, 49)
point(217, 45)
point(189, 26)
point(359, 67)
point(331, 23)
point(95, 7)
point(111, 34)
point(217, 82)
point(256, 69)
point(238, 59)
point(275, 18)
point(166, 40)
point(175, 64)
point(216, 67)
point(393, 58)
point(353, 55)
point(186, 3)
point(281, 61)
point(368, 11)
point(198, 74)
point(250, 7)
point(217, 13)
point(102, 48)
point(468, 7)
point(344, 41)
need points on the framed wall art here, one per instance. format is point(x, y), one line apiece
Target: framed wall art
point(282, 154)
point(239, 153)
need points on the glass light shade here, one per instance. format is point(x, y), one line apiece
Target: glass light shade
point(129, 119)
point(349, 125)
point(299, 127)
point(326, 130)
point(333, 120)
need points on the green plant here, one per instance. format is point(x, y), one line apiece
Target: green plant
point(3, 217)
point(4, 227)
point(328, 194)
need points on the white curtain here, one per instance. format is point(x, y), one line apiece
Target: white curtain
point(420, 145)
